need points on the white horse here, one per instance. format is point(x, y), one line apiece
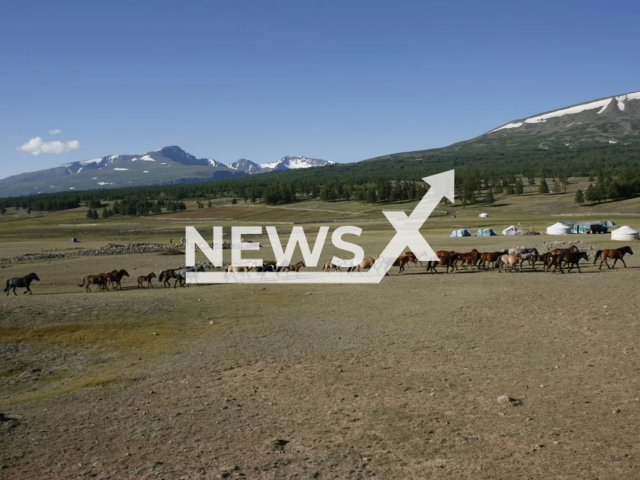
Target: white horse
point(510, 261)
point(238, 269)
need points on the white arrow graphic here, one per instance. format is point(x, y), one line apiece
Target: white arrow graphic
point(407, 235)
point(408, 227)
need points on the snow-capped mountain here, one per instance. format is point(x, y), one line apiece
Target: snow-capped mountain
point(289, 163)
point(166, 165)
point(609, 120)
point(247, 166)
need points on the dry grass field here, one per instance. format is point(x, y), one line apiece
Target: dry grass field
point(396, 380)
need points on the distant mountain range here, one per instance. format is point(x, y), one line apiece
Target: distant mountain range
point(165, 166)
point(580, 136)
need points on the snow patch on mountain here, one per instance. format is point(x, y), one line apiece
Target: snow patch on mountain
point(287, 163)
point(215, 163)
point(269, 165)
point(573, 110)
point(601, 104)
point(629, 96)
point(508, 125)
point(89, 162)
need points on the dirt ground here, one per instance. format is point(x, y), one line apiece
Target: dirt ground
point(396, 380)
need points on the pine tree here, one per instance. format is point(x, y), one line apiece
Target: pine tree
point(90, 213)
point(564, 180)
point(489, 198)
point(372, 197)
point(94, 215)
point(579, 198)
point(105, 214)
point(519, 187)
point(556, 186)
point(543, 189)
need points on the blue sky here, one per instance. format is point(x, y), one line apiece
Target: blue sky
point(343, 81)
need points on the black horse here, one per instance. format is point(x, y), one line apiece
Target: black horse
point(22, 282)
point(165, 275)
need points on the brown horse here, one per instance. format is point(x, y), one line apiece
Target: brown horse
point(470, 259)
point(491, 258)
point(365, 263)
point(101, 279)
point(616, 254)
point(451, 259)
point(402, 260)
point(146, 278)
point(558, 251)
point(447, 259)
point(293, 268)
point(431, 266)
point(416, 261)
point(573, 258)
point(555, 261)
point(116, 277)
point(534, 258)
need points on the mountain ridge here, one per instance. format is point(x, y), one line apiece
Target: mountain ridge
point(613, 119)
point(167, 165)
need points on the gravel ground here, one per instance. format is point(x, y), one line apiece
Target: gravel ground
point(468, 375)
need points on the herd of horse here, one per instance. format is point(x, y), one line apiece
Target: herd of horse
point(506, 260)
point(103, 280)
point(515, 259)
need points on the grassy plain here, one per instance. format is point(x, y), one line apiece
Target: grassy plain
point(396, 380)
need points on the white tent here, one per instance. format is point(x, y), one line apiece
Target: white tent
point(483, 215)
point(624, 233)
point(558, 229)
point(460, 233)
point(512, 230)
